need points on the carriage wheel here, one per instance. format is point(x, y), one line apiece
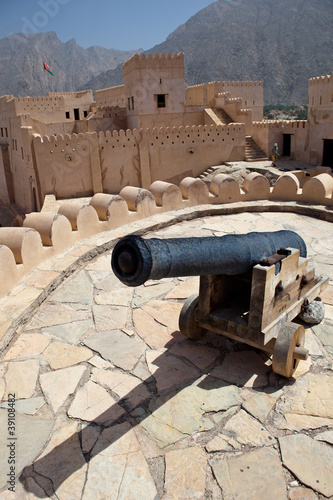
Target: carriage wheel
point(187, 323)
point(289, 350)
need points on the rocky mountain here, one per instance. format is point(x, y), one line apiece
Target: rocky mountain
point(21, 64)
point(282, 42)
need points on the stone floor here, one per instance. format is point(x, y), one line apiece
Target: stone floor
point(112, 402)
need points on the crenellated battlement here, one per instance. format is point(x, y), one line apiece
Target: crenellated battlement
point(151, 61)
point(157, 137)
point(321, 80)
point(281, 124)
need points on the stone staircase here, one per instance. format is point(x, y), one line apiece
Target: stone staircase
point(218, 116)
point(208, 171)
point(252, 151)
point(223, 116)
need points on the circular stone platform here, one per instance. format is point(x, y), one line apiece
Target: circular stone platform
point(112, 402)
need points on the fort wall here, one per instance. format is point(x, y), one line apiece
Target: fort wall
point(320, 116)
point(154, 85)
point(217, 94)
point(65, 164)
point(112, 96)
point(267, 133)
point(56, 107)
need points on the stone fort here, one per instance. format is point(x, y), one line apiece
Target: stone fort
point(138, 148)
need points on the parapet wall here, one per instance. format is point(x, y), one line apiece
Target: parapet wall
point(156, 61)
point(112, 96)
point(83, 164)
point(268, 132)
point(48, 232)
point(321, 91)
point(35, 105)
point(220, 94)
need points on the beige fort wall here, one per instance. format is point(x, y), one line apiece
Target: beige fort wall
point(54, 229)
point(145, 77)
point(80, 165)
point(267, 133)
point(53, 108)
point(217, 94)
point(112, 96)
point(106, 118)
point(320, 115)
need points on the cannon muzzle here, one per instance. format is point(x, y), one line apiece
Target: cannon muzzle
point(135, 260)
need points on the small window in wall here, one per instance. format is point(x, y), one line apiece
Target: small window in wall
point(76, 114)
point(68, 115)
point(129, 103)
point(161, 100)
point(22, 154)
point(132, 98)
point(6, 132)
point(13, 144)
point(2, 132)
point(85, 114)
point(254, 103)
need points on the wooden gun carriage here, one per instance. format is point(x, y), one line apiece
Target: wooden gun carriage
point(252, 286)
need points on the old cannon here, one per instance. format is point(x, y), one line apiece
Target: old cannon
point(252, 286)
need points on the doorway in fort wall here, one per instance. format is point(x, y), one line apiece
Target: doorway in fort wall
point(328, 153)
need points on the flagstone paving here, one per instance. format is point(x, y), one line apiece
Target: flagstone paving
point(112, 402)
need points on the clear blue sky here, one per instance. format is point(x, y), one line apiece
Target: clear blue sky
point(118, 24)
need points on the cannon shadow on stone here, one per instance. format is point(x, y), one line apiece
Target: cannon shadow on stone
point(61, 463)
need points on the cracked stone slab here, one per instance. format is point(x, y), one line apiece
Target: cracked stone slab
point(118, 469)
point(152, 332)
point(191, 483)
point(29, 444)
point(302, 494)
point(247, 430)
point(251, 476)
point(58, 385)
point(126, 386)
point(93, 404)
point(165, 313)
point(298, 452)
point(108, 317)
point(326, 436)
point(116, 297)
point(325, 334)
point(308, 401)
point(56, 314)
point(259, 405)
point(61, 355)
point(69, 332)
point(185, 289)
point(115, 346)
point(29, 345)
point(201, 356)
point(21, 378)
point(243, 368)
point(28, 406)
point(77, 289)
point(177, 414)
point(63, 462)
point(144, 294)
point(168, 370)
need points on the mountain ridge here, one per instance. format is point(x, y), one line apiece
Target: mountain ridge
point(282, 43)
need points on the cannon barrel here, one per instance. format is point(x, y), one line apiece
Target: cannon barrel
point(135, 260)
